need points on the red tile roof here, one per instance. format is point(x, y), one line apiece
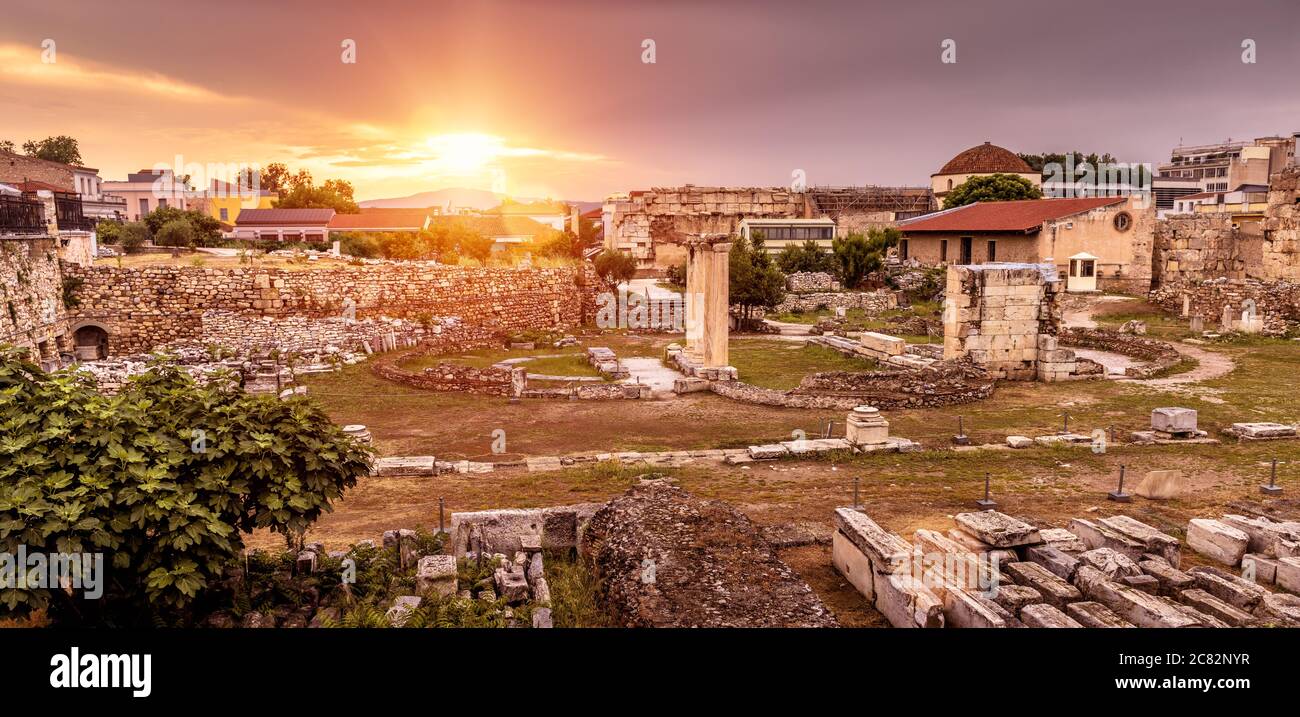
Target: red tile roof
point(392, 220)
point(1020, 216)
point(283, 217)
point(986, 159)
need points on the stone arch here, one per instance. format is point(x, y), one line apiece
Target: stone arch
point(89, 340)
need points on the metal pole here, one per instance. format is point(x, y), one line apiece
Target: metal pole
point(440, 514)
point(855, 492)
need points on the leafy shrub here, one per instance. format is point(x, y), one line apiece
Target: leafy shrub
point(132, 477)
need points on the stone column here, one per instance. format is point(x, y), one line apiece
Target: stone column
point(694, 308)
point(717, 320)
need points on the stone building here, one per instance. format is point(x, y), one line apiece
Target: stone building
point(1116, 232)
point(980, 161)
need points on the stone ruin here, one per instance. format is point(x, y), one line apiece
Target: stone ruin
point(664, 558)
point(995, 570)
point(1004, 318)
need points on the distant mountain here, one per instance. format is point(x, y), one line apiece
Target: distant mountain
point(459, 197)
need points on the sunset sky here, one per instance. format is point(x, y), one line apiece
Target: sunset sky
point(553, 99)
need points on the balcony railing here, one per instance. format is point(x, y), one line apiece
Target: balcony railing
point(67, 211)
point(20, 215)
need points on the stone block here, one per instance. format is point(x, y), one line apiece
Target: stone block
point(1279, 609)
point(1014, 597)
point(769, 451)
point(1054, 590)
point(1171, 580)
point(1063, 540)
point(998, 529)
point(1156, 542)
point(1218, 541)
point(1044, 615)
point(906, 602)
point(1135, 606)
point(853, 564)
point(542, 618)
point(1114, 564)
point(404, 466)
point(887, 552)
point(1261, 430)
point(511, 585)
point(1094, 614)
point(1020, 442)
point(962, 608)
point(1160, 485)
point(1234, 590)
point(401, 610)
point(1056, 562)
point(1173, 420)
point(865, 426)
point(1145, 583)
point(436, 575)
point(1268, 537)
point(882, 343)
point(1288, 574)
point(1099, 535)
point(1259, 568)
point(1204, 602)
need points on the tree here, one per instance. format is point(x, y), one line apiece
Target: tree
point(177, 232)
point(477, 247)
point(615, 266)
point(806, 257)
point(7, 146)
point(164, 479)
point(563, 245)
point(859, 255)
point(991, 188)
point(55, 149)
point(134, 235)
point(205, 228)
point(753, 280)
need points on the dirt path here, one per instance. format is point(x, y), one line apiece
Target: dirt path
point(1078, 311)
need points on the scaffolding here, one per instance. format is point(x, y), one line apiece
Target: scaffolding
point(903, 202)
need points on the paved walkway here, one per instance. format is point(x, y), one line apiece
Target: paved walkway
point(651, 372)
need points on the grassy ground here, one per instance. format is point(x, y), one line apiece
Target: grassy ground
point(859, 320)
point(783, 364)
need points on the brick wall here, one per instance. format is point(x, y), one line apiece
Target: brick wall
point(20, 168)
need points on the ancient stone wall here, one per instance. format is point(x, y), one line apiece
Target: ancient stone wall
point(647, 224)
point(995, 314)
point(802, 282)
point(1276, 302)
point(143, 308)
point(945, 384)
point(1158, 355)
point(872, 302)
point(490, 381)
point(31, 294)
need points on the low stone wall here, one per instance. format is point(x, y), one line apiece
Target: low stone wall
point(1159, 355)
point(1276, 302)
point(872, 302)
point(944, 384)
point(802, 282)
point(491, 381)
point(247, 334)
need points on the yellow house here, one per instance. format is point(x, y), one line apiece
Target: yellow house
point(223, 200)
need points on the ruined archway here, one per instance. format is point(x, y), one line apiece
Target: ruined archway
point(90, 342)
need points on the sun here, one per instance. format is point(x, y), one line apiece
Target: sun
point(466, 152)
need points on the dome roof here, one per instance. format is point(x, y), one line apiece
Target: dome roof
point(986, 159)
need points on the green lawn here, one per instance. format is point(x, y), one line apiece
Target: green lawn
point(782, 364)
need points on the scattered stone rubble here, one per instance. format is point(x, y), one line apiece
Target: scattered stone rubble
point(995, 570)
point(664, 558)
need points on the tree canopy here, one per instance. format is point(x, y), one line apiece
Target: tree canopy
point(61, 148)
point(755, 281)
point(299, 190)
point(859, 255)
point(991, 188)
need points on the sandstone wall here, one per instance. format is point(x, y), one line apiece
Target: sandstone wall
point(1276, 302)
point(872, 302)
point(31, 294)
point(808, 281)
point(994, 315)
point(143, 308)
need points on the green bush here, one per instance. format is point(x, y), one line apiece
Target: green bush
point(134, 235)
point(177, 232)
point(163, 478)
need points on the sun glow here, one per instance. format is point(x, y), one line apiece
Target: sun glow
point(466, 152)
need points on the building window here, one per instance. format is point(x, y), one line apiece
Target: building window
point(144, 206)
point(943, 250)
point(993, 251)
point(902, 249)
point(966, 249)
point(162, 203)
point(1123, 221)
point(225, 214)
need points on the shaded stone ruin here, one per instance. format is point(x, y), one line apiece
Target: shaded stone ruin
point(664, 558)
point(995, 570)
point(1005, 318)
point(706, 353)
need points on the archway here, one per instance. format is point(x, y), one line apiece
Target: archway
point(90, 343)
